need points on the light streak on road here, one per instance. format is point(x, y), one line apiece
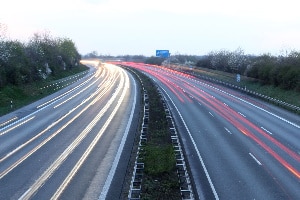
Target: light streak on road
point(31, 191)
point(52, 125)
point(50, 102)
point(106, 92)
point(8, 121)
point(17, 125)
point(187, 90)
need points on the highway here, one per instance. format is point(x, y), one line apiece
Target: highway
point(72, 144)
point(237, 147)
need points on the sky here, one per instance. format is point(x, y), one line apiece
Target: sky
point(140, 27)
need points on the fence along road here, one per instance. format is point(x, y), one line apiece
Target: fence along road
point(70, 146)
point(237, 146)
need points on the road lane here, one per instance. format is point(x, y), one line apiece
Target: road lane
point(227, 139)
point(43, 157)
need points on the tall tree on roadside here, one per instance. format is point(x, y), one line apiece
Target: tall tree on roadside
point(68, 52)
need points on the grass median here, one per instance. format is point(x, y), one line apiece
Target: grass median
point(160, 179)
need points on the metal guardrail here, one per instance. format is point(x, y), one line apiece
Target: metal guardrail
point(250, 92)
point(64, 82)
point(182, 172)
point(138, 170)
point(136, 180)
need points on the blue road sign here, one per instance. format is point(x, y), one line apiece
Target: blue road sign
point(162, 53)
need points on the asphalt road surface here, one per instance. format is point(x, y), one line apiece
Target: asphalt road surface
point(71, 144)
point(237, 147)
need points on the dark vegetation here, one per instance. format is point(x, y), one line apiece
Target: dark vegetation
point(40, 58)
point(160, 180)
point(281, 71)
point(289, 96)
point(27, 67)
point(154, 60)
point(274, 76)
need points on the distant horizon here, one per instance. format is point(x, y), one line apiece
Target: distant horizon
point(285, 50)
point(191, 27)
point(273, 53)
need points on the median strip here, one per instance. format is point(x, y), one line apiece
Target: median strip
point(160, 170)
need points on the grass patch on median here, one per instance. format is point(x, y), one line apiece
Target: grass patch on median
point(160, 179)
point(159, 159)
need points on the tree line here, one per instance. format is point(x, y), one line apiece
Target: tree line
point(41, 57)
point(280, 71)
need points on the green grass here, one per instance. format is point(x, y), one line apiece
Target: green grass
point(159, 159)
point(160, 179)
point(25, 94)
point(288, 96)
point(13, 97)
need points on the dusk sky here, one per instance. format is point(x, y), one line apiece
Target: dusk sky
point(138, 27)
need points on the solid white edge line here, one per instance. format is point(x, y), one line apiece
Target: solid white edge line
point(16, 126)
point(117, 158)
point(249, 103)
point(198, 153)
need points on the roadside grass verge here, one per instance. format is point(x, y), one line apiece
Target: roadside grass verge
point(288, 96)
point(14, 97)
